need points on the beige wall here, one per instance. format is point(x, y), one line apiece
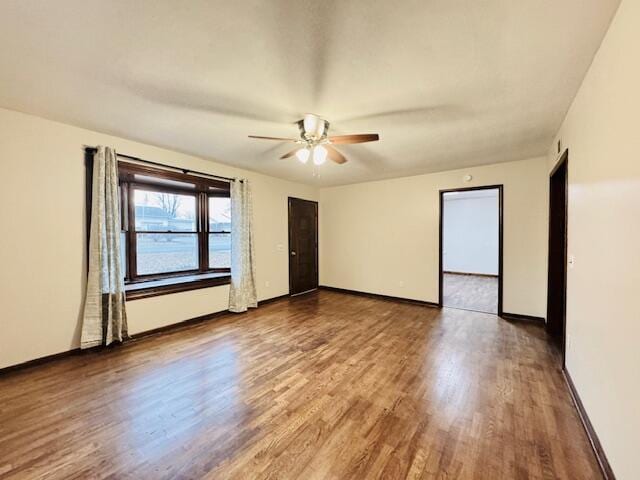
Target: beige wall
point(603, 291)
point(382, 237)
point(42, 216)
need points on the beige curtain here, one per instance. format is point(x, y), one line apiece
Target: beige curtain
point(104, 319)
point(242, 293)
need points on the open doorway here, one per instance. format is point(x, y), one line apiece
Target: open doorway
point(471, 249)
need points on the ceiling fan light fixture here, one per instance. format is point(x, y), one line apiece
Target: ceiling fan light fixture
point(303, 155)
point(315, 143)
point(310, 122)
point(319, 155)
point(313, 127)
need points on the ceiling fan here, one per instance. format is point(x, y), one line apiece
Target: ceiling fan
point(315, 143)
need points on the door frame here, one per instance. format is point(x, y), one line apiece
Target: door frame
point(289, 236)
point(563, 161)
point(500, 188)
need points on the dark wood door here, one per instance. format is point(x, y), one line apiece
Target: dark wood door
point(557, 269)
point(303, 245)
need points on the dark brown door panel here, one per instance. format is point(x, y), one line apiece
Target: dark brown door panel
point(303, 245)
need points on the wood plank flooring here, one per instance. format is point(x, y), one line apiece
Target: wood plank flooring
point(470, 292)
point(323, 386)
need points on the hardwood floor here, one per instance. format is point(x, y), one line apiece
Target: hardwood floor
point(470, 292)
point(326, 385)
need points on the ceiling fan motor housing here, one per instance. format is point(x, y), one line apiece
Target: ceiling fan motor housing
point(313, 128)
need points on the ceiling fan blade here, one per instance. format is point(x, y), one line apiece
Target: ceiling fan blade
point(289, 154)
point(335, 155)
point(279, 139)
point(358, 138)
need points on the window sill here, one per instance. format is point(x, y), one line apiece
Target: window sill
point(165, 286)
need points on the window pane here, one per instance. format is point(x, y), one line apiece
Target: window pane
point(165, 212)
point(219, 214)
point(219, 250)
point(166, 252)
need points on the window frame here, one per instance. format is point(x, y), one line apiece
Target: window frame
point(155, 180)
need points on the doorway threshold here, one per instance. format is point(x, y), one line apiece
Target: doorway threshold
point(470, 310)
point(302, 293)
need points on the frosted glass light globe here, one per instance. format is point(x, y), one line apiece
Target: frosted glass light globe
point(319, 155)
point(303, 155)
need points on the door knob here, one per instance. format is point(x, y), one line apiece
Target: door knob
point(293, 254)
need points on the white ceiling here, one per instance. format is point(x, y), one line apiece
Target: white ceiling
point(446, 83)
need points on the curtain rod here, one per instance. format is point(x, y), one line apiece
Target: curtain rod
point(183, 170)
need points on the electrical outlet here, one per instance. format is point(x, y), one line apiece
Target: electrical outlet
point(571, 260)
point(401, 283)
point(267, 284)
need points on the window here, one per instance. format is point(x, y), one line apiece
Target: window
point(219, 232)
point(176, 228)
point(166, 234)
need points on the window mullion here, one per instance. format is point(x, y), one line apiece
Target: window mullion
point(203, 214)
point(123, 192)
point(131, 233)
